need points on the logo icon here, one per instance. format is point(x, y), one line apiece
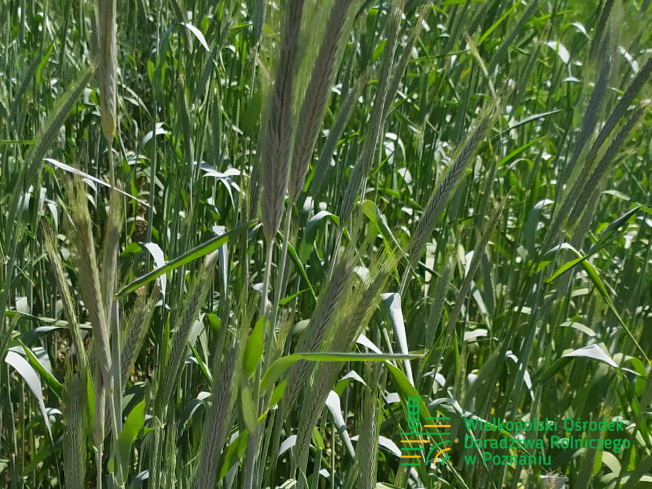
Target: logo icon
point(414, 448)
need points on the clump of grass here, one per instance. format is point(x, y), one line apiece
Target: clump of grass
point(335, 133)
point(605, 164)
point(92, 295)
point(449, 183)
point(377, 117)
point(579, 183)
point(465, 193)
point(641, 78)
point(359, 310)
point(183, 324)
point(27, 176)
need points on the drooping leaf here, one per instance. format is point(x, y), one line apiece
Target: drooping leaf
point(392, 303)
point(310, 232)
point(198, 252)
point(333, 405)
point(595, 353)
point(560, 49)
point(50, 380)
point(198, 34)
point(33, 381)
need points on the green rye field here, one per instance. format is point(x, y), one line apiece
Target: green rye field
point(325, 244)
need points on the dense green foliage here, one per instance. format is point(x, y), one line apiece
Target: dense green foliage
point(323, 210)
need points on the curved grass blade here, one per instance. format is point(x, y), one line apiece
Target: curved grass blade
point(201, 250)
point(49, 379)
point(278, 368)
point(82, 174)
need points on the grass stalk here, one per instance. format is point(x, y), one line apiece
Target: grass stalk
point(377, 120)
point(74, 439)
point(444, 191)
point(183, 324)
point(334, 134)
point(281, 273)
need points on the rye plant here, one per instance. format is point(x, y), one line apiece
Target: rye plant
point(248, 244)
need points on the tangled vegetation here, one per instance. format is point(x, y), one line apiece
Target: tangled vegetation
point(250, 244)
